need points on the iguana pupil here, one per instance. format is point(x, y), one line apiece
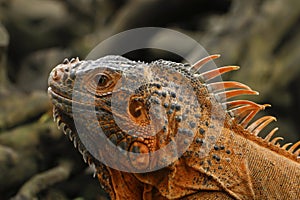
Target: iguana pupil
point(101, 80)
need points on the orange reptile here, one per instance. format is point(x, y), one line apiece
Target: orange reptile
point(223, 157)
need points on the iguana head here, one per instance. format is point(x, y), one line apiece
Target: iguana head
point(136, 107)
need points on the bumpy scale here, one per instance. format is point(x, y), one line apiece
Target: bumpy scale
point(223, 156)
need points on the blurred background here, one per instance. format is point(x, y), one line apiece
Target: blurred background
point(38, 161)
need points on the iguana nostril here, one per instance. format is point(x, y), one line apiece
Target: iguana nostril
point(57, 74)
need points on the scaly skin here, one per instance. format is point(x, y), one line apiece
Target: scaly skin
point(225, 159)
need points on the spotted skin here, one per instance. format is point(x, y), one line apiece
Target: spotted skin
point(143, 107)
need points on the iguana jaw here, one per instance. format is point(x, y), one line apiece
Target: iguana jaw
point(63, 115)
point(66, 124)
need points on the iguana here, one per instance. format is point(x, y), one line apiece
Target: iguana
point(222, 155)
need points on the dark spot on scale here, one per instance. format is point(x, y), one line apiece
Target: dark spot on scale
point(216, 147)
point(201, 131)
point(158, 85)
point(216, 157)
point(177, 107)
point(222, 147)
point(173, 95)
point(192, 124)
point(164, 128)
point(164, 94)
point(166, 105)
point(199, 141)
point(206, 123)
point(172, 106)
point(178, 118)
point(228, 151)
point(209, 162)
point(170, 112)
point(220, 167)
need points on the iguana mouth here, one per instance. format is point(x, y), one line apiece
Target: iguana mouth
point(58, 96)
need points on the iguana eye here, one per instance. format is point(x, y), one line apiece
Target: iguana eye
point(101, 80)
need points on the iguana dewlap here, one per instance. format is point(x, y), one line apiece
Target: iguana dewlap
point(223, 157)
